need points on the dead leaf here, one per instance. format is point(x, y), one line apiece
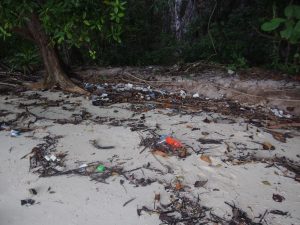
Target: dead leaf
point(279, 136)
point(182, 152)
point(178, 186)
point(206, 120)
point(199, 183)
point(160, 153)
point(265, 182)
point(189, 126)
point(157, 197)
point(268, 146)
point(206, 158)
point(278, 198)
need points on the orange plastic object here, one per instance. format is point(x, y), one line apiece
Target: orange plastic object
point(173, 142)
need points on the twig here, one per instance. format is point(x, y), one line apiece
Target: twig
point(130, 200)
point(7, 84)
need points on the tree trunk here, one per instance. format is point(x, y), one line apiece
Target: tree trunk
point(55, 74)
point(182, 13)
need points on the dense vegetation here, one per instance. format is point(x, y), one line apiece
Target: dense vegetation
point(237, 33)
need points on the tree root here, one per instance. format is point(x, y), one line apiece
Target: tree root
point(72, 88)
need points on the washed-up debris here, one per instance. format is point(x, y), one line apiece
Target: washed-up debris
point(44, 159)
point(209, 141)
point(279, 136)
point(288, 164)
point(130, 200)
point(50, 190)
point(96, 145)
point(180, 210)
point(265, 182)
point(100, 168)
point(170, 141)
point(96, 171)
point(240, 217)
point(199, 183)
point(268, 146)
point(104, 94)
point(278, 198)
point(196, 95)
point(206, 158)
point(280, 113)
point(164, 146)
point(15, 133)
point(27, 202)
point(278, 212)
point(32, 191)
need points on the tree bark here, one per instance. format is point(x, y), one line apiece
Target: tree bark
point(182, 13)
point(55, 74)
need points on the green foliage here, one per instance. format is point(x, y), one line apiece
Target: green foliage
point(290, 29)
point(68, 23)
point(20, 55)
point(89, 32)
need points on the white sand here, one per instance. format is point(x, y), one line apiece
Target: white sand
point(77, 200)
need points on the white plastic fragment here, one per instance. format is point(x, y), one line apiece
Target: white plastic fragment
point(53, 157)
point(196, 95)
point(83, 165)
point(130, 86)
point(278, 113)
point(230, 72)
point(59, 168)
point(15, 133)
point(182, 93)
point(47, 158)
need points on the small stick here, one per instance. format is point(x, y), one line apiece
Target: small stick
point(130, 200)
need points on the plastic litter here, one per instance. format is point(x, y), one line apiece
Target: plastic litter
point(230, 72)
point(15, 133)
point(170, 141)
point(53, 158)
point(279, 113)
point(100, 168)
point(196, 95)
point(182, 93)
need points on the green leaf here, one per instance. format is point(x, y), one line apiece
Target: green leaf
point(272, 25)
point(121, 14)
point(297, 27)
point(292, 11)
point(86, 22)
point(288, 11)
point(287, 33)
point(297, 12)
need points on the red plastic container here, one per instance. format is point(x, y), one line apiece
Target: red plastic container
point(173, 142)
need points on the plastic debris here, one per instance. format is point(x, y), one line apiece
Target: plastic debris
point(15, 133)
point(101, 168)
point(230, 72)
point(196, 95)
point(279, 113)
point(173, 142)
point(170, 141)
point(53, 158)
point(182, 93)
